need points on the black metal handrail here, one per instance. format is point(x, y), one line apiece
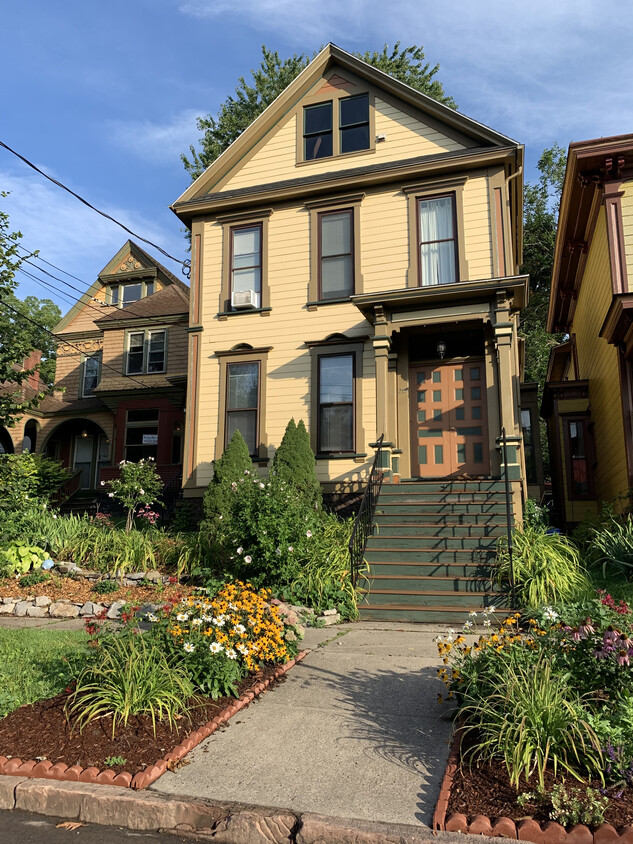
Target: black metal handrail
point(509, 518)
point(365, 518)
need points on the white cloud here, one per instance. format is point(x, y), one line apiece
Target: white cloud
point(160, 143)
point(537, 71)
point(74, 237)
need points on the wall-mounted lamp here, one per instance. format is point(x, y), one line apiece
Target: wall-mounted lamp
point(441, 349)
point(178, 427)
point(84, 434)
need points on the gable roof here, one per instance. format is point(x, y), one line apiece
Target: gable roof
point(108, 274)
point(481, 135)
point(166, 302)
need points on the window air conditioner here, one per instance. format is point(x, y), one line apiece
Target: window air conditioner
point(241, 299)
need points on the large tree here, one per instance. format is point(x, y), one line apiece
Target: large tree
point(18, 336)
point(273, 75)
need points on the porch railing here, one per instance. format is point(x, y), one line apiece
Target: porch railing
point(66, 490)
point(365, 518)
point(172, 491)
point(509, 516)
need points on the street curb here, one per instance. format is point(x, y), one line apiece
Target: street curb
point(223, 823)
point(527, 829)
point(45, 770)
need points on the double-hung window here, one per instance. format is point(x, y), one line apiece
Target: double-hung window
point(90, 374)
point(246, 263)
point(146, 352)
point(437, 240)
point(141, 435)
point(336, 127)
point(242, 403)
point(336, 254)
point(336, 403)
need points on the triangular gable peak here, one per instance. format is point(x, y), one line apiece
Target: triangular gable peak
point(405, 125)
point(130, 264)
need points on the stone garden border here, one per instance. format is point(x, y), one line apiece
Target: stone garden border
point(503, 827)
point(46, 770)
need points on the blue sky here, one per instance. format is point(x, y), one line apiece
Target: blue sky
point(103, 96)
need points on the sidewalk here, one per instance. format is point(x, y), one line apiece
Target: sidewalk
point(355, 731)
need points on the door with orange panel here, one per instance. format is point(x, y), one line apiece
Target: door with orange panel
point(448, 419)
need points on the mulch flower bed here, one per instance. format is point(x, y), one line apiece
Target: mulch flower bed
point(40, 733)
point(480, 799)
point(79, 590)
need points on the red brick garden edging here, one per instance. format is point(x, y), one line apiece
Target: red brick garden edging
point(525, 830)
point(75, 773)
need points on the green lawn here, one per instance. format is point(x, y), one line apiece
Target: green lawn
point(36, 664)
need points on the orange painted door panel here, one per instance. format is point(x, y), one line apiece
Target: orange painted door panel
point(448, 419)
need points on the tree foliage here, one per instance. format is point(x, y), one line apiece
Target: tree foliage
point(17, 338)
point(274, 75)
point(234, 464)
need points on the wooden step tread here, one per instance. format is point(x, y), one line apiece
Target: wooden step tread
point(425, 577)
point(432, 593)
point(436, 550)
point(434, 608)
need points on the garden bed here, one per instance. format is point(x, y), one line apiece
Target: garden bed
point(80, 591)
point(40, 734)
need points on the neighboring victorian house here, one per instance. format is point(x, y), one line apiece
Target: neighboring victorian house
point(355, 261)
point(588, 401)
point(121, 375)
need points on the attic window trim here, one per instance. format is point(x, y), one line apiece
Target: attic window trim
point(143, 272)
point(122, 283)
point(334, 97)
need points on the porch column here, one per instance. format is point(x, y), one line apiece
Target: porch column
point(382, 345)
point(507, 380)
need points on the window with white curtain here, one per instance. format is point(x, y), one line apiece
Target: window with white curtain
point(437, 240)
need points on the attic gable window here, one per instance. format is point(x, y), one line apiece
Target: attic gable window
point(123, 295)
point(329, 131)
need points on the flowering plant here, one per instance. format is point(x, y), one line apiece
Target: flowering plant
point(222, 638)
point(138, 483)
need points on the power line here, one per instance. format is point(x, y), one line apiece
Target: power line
point(68, 343)
point(186, 265)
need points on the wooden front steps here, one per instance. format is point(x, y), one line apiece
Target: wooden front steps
point(432, 552)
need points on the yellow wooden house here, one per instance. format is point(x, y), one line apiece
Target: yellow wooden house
point(355, 263)
point(588, 400)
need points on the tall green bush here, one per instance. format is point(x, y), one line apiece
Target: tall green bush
point(232, 466)
point(294, 463)
point(28, 478)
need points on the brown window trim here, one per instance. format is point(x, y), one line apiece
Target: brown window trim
point(229, 224)
point(450, 186)
point(585, 420)
point(255, 410)
point(320, 404)
point(335, 96)
point(333, 205)
point(351, 253)
point(325, 349)
point(243, 355)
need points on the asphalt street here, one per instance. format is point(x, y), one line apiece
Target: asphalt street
point(24, 828)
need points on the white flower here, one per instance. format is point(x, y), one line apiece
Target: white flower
point(239, 629)
point(487, 622)
point(264, 532)
point(189, 648)
point(110, 495)
point(550, 614)
point(231, 653)
point(492, 609)
point(141, 491)
point(122, 463)
point(308, 533)
point(152, 617)
point(251, 621)
point(239, 550)
point(220, 621)
point(472, 614)
point(102, 483)
point(246, 472)
point(150, 459)
point(247, 558)
point(54, 516)
point(450, 634)
point(197, 622)
point(290, 548)
point(207, 618)
point(215, 647)
point(241, 480)
point(242, 649)
point(468, 625)
point(262, 486)
point(220, 517)
point(232, 607)
point(278, 552)
point(182, 616)
point(233, 485)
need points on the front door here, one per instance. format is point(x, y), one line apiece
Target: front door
point(84, 460)
point(448, 419)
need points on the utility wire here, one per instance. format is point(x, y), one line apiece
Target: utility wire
point(68, 343)
point(186, 265)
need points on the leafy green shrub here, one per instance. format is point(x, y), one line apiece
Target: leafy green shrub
point(105, 587)
point(294, 463)
point(34, 578)
point(546, 567)
point(531, 721)
point(228, 469)
point(19, 557)
point(611, 547)
point(138, 483)
point(129, 675)
point(28, 478)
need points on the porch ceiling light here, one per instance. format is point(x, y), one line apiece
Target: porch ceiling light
point(84, 434)
point(441, 349)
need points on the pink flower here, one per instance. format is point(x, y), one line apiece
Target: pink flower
point(623, 657)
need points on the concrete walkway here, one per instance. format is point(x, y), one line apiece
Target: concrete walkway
point(354, 732)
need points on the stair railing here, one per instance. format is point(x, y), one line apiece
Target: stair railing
point(509, 518)
point(66, 490)
point(365, 518)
